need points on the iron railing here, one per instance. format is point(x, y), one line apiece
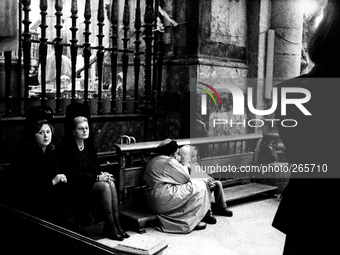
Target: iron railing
point(147, 59)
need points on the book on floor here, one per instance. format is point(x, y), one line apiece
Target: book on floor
point(141, 244)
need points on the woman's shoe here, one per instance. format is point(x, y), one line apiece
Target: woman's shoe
point(224, 212)
point(124, 234)
point(209, 218)
point(109, 234)
point(201, 225)
point(117, 237)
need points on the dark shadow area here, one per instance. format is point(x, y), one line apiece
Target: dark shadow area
point(25, 234)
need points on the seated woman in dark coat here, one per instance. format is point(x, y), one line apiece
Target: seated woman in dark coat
point(43, 189)
point(79, 160)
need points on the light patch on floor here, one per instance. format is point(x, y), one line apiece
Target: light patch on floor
point(248, 232)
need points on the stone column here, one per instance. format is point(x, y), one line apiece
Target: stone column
point(258, 22)
point(287, 21)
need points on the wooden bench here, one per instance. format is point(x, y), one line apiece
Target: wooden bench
point(236, 151)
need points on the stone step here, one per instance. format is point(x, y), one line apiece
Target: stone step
point(247, 190)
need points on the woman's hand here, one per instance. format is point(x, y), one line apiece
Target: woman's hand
point(106, 177)
point(177, 157)
point(211, 184)
point(59, 178)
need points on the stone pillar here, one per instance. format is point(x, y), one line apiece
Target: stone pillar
point(259, 14)
point(287, 21)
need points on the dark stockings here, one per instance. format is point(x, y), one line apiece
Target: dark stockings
point(105, 195)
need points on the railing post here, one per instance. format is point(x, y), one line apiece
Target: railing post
point(87, 50)
point(26, 48)
point(125, 55)
point(159, 62)
point(19, 67)
point(8, 75)
point(148, 24)
point(43, 51)
point(154, 63)
point(114, 53)
point(74, 48)
point(100, 54)
point(58, 49)
point(138, 24)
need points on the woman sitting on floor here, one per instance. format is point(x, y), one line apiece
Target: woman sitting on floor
point(180, 203)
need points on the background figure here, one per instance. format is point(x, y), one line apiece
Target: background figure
point(180, 203)
point(189, 157)
point(51, 68)
point(268, 153)
point(308, 213)
point(92, 71)
point(92, 187)
point(119, 88)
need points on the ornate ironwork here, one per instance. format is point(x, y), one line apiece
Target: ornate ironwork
point(100, 54)
point(136, 60)
point(58, 49)
point(114, 53)
point(8, 75)
point(125, 55)
point(87, 49)
point(74, 48)
point(43, 50)
point(158, 66)
point(148, 20)
point(26, 45)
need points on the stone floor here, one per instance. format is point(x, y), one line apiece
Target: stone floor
point(248, 232)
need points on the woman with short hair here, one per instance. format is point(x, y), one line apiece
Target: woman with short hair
point(79, 160)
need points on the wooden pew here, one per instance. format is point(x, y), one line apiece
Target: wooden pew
point(236, 150)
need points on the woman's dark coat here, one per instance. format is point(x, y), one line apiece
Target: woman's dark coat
point(33, 170)
point(80, 168)
point(309, 209)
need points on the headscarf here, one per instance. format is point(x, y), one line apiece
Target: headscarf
point(185, 153)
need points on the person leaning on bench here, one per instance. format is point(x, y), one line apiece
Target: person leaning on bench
point(180, 203)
